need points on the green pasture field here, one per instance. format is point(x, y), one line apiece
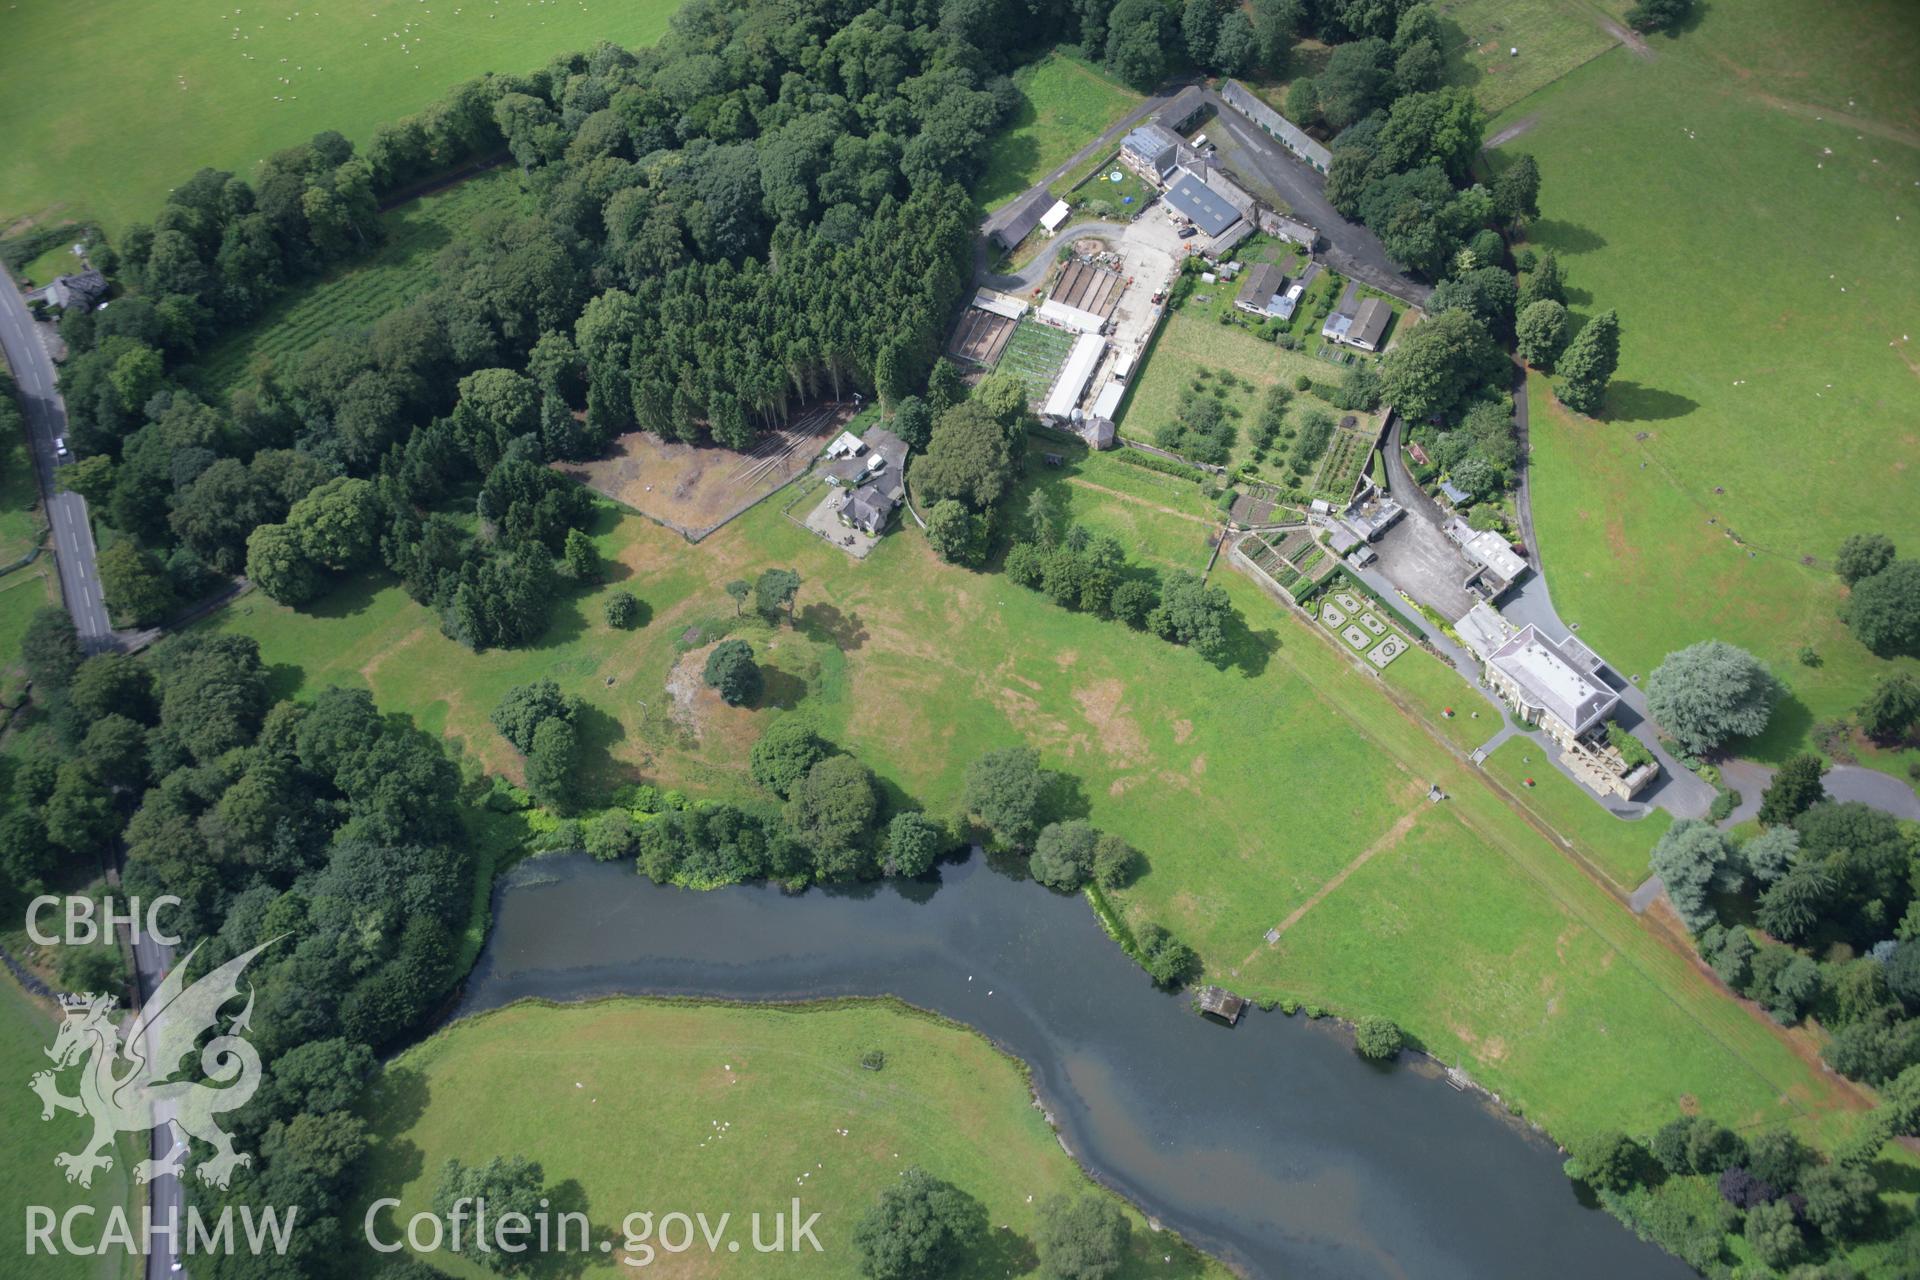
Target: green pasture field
point(1065, 103)
point(367, 289)
point(1160, 520)
point(1251, 787)
point(1767, 377)
point(110, 106)
point(1553, 37)
point(739, 1102)
point(1619, 848)
point(29, 1176)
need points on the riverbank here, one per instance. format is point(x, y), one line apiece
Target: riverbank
point(661, 1105)
point(1270, 1145)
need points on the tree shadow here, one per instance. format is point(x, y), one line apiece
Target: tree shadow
point(353, 595)
point(398, 1100)
point(825, 622)
point(1636, 402)
point(597, 733)
point(1786, 730)
point(566, 1257)
point(1565, 237)
point(1002, 1252)
point(284, 680)
point(566, 623)
point(1065, 798)
point(780, 689)
point(1247, 651)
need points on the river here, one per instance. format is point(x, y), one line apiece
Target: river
point(1270, 1144)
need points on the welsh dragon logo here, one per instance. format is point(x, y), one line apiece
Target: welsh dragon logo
point(125, 1085)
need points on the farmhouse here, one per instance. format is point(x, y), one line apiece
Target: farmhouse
point(874, 476)
point(80, 290)
point(1267, 290)
point(1357, 322)
point(1261, 289)
point(1557, 687)
point(1276, 126)
point(1152, 151)
point(1553, 686)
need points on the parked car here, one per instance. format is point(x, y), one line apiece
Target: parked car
point(60, 446)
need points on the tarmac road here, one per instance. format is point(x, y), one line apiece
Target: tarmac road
point(67, 512)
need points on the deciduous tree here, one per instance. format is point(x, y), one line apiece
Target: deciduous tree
point(732, 671)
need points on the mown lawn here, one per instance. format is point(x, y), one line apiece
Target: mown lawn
point(399, 271)
point(28, 1177)
point(1618, 847)
point(1249, 788)
point(1767, 377)
point(1065, 103)
point(110, 106)
point(1431, 687)
point(739, 1103)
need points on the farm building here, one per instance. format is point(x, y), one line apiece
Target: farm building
point(81, 290)
point(1050, 220)
point(1107, 403)
point(1370, 514)
point(1086, 285)
point(1278, 224)
point(1000, 304)
point(1356, 321)
point(1274, 125)
point(1482, 630)
point(1054, 311)
point(1184, 111)
point(1123, 366)
point(985, 327)
point(1074, 376)
point(1021, 219)
point(1152, 151)
point(1206, 200)
point(1499, 566)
